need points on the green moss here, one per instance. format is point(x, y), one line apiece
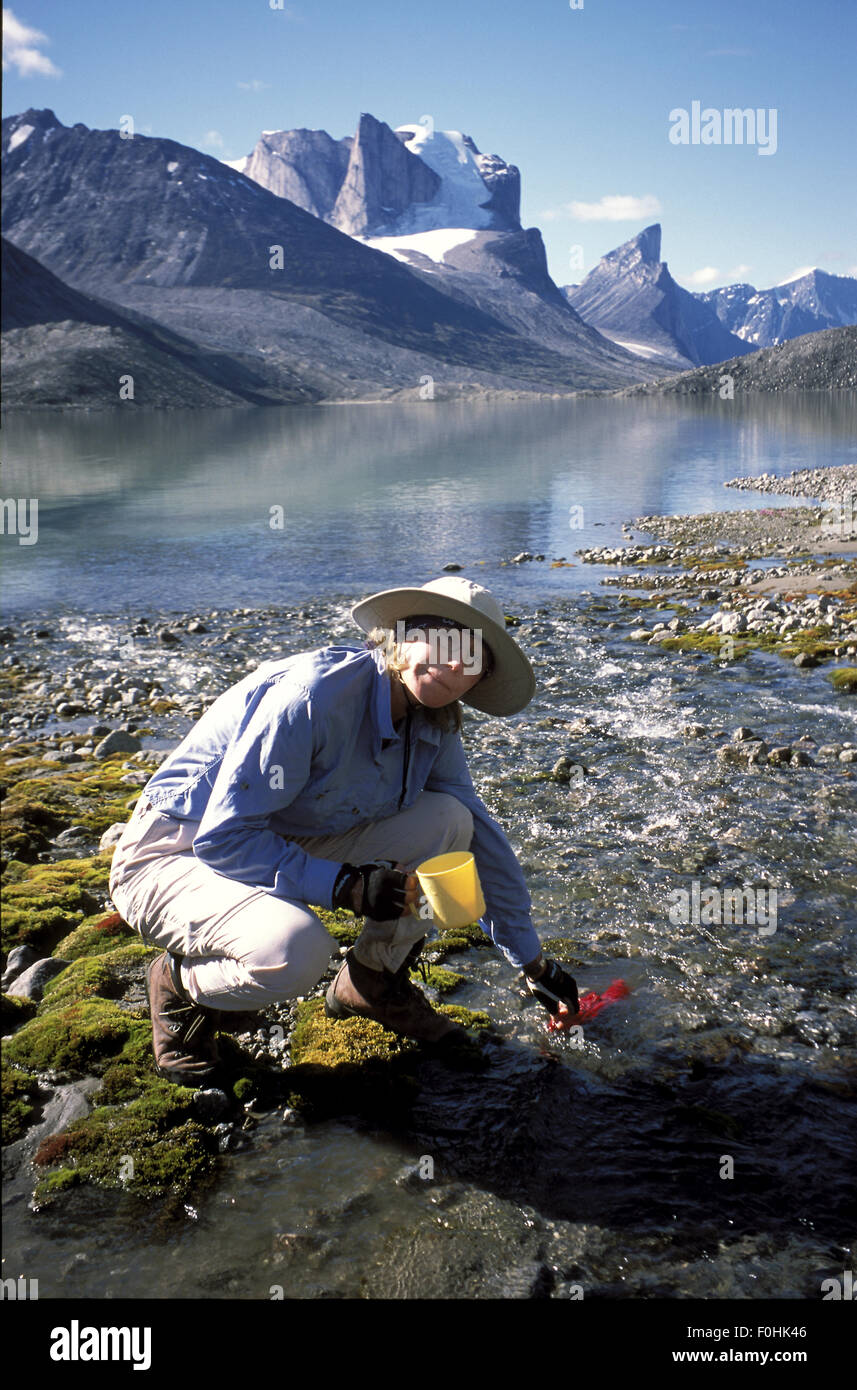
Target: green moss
point(41, 797)
point(844, 680)
point(51, 1186)
point(472, 933)
point(150, 1146)
point(474, 1019)
point(50, 900)
point(94, 935)
point(444, 981)
point(74, 1039)
point(352, 1064)
point(344, 927)
point(815, 641)
point(19, 1090)
point(16, 1011)
point(83, 979)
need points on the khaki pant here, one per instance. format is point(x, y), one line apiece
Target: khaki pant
point(243, 948)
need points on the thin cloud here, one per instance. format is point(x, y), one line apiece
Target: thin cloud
point(738, 270)
point(254, 86)
point(21, 49)
point(213, 140)
point(706, 276)
point(614, 207)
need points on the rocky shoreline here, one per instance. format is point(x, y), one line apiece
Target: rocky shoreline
point(84, 731)
point(804, 609)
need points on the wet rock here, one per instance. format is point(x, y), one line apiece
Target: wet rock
point(640, 634)
point(117, 742)
point(749, 752)
point(799, 758)
point(451, 567)
point(197, 627)
point(848, 755)
point(210, 1104)
point(733, 622)
point(522, 557)
point(805, 659)
point(111, 836)
point(694, 730)
point(20, 959)
point(31, 983)
point(562, 770)
point(74, 835)
point(167, 637)
point(780, 755)
point(740, 734)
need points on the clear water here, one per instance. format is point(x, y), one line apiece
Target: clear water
point(601, 1166)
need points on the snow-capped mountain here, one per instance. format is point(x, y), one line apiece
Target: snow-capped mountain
point(431, 200)
point(631, 298)
point(389, 183)
point(805, 304)
point(303, 310)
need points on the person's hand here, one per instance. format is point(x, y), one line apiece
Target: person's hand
point(381, 891)
point(551, 985)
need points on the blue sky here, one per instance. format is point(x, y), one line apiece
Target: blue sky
point(579, 99)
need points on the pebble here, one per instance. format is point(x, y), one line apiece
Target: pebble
point(20, 959)
point(117, 742)
point(31, 984)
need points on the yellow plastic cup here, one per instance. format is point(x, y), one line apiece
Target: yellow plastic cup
point(451, 885)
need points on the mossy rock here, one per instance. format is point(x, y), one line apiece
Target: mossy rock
point(150, 1146)
point(475, 1019)
point(472, 934)
point(16, 1011)
point(844, 680)
point(42, 798)
point(444, 981)
point(50, 900)
point(344, 927)
point(343, 1066)
point(19, 1090)
point(74, 1039)
point(94, 935)
point(105, 976)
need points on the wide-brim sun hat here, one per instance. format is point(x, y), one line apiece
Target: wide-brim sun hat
point(511, 683)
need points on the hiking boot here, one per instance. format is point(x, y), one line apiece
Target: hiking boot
point(183, 1038)
point(390, 999)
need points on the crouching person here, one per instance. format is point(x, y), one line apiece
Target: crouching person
point(326, 778)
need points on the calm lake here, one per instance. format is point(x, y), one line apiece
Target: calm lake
point(178, 509)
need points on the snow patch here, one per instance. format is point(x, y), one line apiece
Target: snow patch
point(458, 201)
point(640, 349)
point(434, 244)
point(238, 164)
point(21, 134)
point(172, 166)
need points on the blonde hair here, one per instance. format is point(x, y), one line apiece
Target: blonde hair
point(448, 717)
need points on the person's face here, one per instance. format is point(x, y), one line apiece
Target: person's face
point(444, 662)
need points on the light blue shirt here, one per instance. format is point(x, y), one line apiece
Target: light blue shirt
point(306, 746)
